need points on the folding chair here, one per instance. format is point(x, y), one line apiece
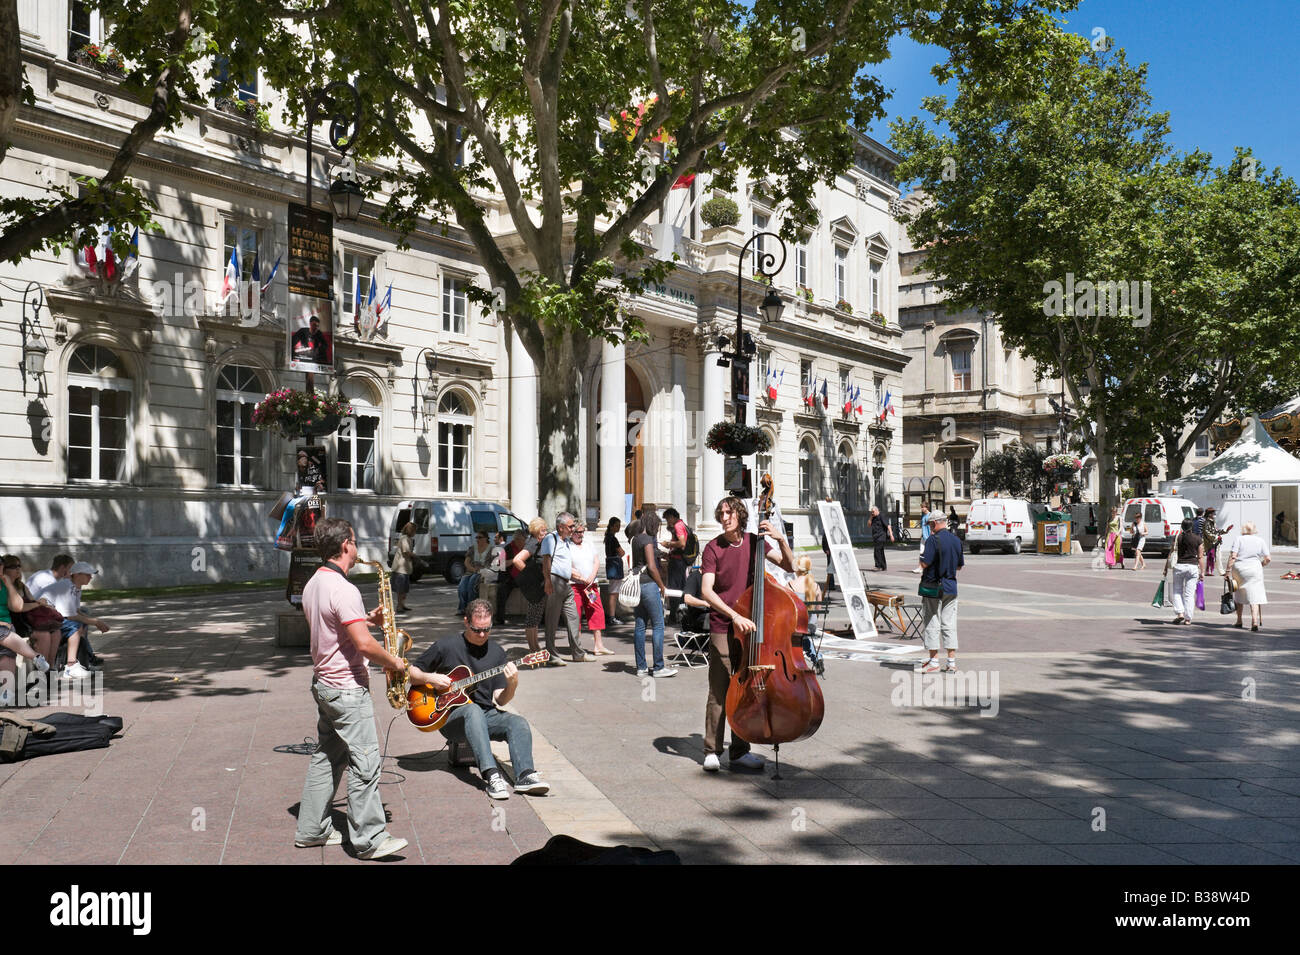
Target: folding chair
point(691, 647)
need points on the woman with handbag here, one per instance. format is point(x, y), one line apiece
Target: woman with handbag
point(1114, 543)
point(531, 583)
point(1139, 541)
point(1248, 558)
point(650, 611)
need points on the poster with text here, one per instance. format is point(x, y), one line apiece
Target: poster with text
point(311, 335)
point(311, 291)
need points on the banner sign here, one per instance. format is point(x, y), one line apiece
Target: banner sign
point(311, 290)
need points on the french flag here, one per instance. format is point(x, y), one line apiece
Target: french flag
point(810, 397)
point(826, 399)
point(381, 313)
point(230, 282)
point(887, 406)
point(774, 382)
point(274, 268)
point(98, 259)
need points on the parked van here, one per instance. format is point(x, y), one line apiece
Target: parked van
point(1003, 522)
point(444, 530)
point(1164, 516)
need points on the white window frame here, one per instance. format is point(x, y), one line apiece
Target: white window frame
point(242, 230)
point(350, 306)
point(841, 273)
point(97, 384)
point(96, 28)
point(760, 222)
point(764, 366)
point(876, 269)
point(239, 398)
point(969, 352)
point(463, 281)
point(807, 475)
point(960, 468)
point(361, 409)
point(801, 266)
point(1202, 448)
point(450, 421)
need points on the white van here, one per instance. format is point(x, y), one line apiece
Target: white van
point(1003, 522)
point(444, 530)
point(1164, 516)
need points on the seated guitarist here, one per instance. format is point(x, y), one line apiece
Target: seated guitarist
point(480, 721)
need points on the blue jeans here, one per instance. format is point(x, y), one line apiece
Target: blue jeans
point(474, 725)
point(466, 590)
point(649, 611)
point(345, 726)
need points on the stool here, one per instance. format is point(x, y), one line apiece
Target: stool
point(456, 755)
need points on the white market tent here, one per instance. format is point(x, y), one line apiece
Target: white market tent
point(1254, 480)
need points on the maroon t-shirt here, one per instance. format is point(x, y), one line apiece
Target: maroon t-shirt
point(730, 563)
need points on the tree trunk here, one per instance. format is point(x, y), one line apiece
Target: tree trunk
point(1175, 457)
point(559, 374)
point(11, 71)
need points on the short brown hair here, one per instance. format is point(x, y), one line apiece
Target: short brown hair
point(331, 534)
point(478, 608)
point(737, 507)
point(61, 561)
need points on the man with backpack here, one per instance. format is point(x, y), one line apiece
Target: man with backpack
point(683, 549)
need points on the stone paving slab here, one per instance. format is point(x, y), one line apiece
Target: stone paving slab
point(1100, 704)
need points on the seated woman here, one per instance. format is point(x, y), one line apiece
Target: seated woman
point(15, 600)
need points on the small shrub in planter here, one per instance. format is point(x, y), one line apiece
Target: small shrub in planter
point(720, 211)
point(844, 305)
point(879, 316)
point(103, 58)
point(805, 293)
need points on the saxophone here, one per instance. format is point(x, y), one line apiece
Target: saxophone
point(396, 641)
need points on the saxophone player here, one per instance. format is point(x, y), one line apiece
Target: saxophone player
point(341, 646)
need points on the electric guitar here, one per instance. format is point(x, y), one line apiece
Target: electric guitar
point(428, 710)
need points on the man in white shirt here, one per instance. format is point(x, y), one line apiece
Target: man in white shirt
point(65, 595)
point(38, 582)
point(587, 558)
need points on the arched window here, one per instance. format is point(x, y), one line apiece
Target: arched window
point(99, 415)
point(455, 434)
point(358, 440)
point(846, 477)
point(808, 472)
point(239, 444)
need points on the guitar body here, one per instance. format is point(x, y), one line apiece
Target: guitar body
point(427, 711)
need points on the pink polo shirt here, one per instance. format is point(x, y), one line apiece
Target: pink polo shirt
point(331, 603)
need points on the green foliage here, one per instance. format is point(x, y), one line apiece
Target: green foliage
point(1057, 168)
point(1015, 470)
point(720, 211)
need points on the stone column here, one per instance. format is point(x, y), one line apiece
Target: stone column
point(711, 412)
point(677, 427)
point(523, 430)
point(611, 431)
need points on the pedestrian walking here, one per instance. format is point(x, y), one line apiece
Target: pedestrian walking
point(1212, 536)
point(1139, 541)
point(1188, 557)
point(402, 565)
point(557, 569)
point(941, 558)
point(1114, 543)
point(926, 531)
point(880, 533)
point(1247, 559)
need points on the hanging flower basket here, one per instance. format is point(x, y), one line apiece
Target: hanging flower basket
point(1062, 467)
point(293, 413)
point(736, 440)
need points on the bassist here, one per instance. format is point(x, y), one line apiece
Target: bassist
point(727, 566)
point(481, 721)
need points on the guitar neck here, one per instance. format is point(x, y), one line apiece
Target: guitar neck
point(470, 681)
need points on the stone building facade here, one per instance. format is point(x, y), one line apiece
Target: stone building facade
point(134, 448)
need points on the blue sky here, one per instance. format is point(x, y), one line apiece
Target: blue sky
point(1227, 72)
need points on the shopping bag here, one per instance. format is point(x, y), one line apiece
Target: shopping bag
point(1226, 603)
point(1200, 595)
point(629, 594)
point(1158, 600)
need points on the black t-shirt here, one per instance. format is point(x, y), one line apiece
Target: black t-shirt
point(1188, 545)
point(694, 618)
point(451, 652)
point(612, 546)
point(638, 549)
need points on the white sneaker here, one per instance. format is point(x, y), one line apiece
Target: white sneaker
point(497, 787)
point(916, 570)
point(665, 673)
point(387, 847)
point(711, 763)
point(641, 673)
point(75, 672)
point(41, 663)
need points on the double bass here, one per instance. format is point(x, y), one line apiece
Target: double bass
point(774, 696)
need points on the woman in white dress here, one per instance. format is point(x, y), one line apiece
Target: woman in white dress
point(1248, 558)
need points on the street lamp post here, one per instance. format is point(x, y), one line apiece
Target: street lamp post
point(345, 195)
point(743, 346)
point(34, 348)
point(429, 400)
